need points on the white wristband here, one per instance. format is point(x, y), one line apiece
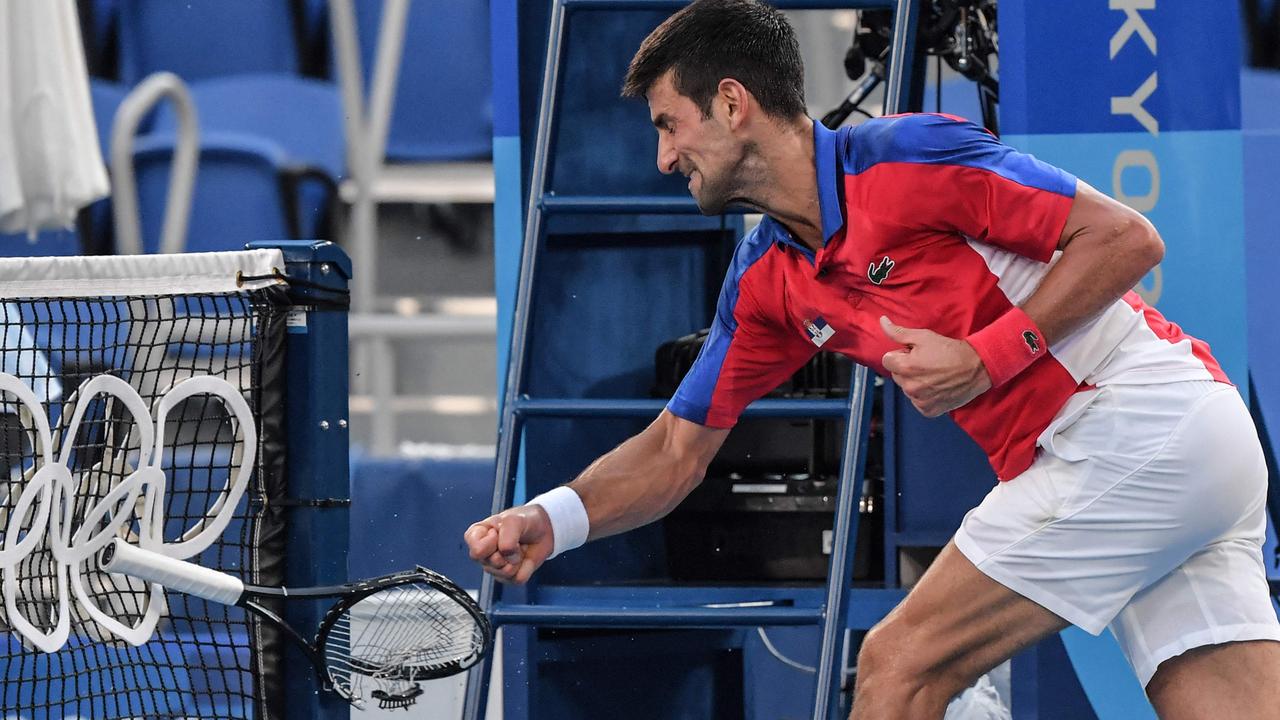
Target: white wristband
point(569, 523)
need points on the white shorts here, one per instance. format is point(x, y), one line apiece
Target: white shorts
point(1145, 511)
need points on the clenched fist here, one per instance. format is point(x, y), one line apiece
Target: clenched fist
point(937, 374)
point(511, 544)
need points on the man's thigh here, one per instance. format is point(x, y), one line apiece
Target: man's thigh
point(1239, 680)
point(959, 623)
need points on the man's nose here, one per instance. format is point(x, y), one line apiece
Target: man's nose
point(667, 156)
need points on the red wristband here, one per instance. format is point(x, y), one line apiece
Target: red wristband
point(1008, 345)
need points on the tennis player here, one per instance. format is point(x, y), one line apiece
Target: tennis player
point(988, 285)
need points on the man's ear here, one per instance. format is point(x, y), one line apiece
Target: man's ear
point(736, 100)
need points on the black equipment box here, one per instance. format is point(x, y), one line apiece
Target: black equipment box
point(765, 511)
point(768, 527)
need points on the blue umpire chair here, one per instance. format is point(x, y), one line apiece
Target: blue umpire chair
point(1259, 92)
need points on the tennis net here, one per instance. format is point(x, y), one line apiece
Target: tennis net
point(141, 397)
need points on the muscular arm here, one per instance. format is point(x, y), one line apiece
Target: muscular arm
point(645, 477)
point(636, 483)
point(1106, 249)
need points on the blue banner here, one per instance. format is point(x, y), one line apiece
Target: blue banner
point(1088, 66)
point(1141, 99)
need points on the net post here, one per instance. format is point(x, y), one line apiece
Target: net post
point(316, 430)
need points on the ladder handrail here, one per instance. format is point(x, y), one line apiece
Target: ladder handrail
point(366, 126)
point(826, 704)
point(844, 531)
point(511, 424)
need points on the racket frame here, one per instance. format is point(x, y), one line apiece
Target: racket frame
point(349, 594)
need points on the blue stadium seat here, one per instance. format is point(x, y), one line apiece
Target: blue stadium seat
point(301, 115)
point(106, 97)
point(99, 225)
point(443, 100)
point(237, 199)
point(205, 38)
point(317, 45)
point(47, 243)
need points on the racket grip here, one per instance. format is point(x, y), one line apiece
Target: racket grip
point(121, 557)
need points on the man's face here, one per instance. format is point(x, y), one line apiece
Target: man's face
point(700, 148)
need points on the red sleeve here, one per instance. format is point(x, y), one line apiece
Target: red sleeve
point(934, 172)
point(746, 356)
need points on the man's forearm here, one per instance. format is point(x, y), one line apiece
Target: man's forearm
point(645, 477)
point(1100, 262)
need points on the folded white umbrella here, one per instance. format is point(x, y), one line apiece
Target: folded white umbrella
point(50, 164)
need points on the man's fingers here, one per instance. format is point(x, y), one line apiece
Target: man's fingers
point(508, 572)
point(502, 575)
point(509, 546)
point(481, 539)
point(525, 570)
point(894, 361)
point(897, 333)
point(510, 530)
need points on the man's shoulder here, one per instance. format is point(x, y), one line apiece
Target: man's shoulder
point(755, 245)
point(911, 138)
point(753, 253)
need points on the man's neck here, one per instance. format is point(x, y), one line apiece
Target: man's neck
point(789, 191)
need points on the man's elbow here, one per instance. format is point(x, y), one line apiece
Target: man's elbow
point(690, 473)
point(1143, 241)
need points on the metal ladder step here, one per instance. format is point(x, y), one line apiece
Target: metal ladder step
point(588, 616)
point(607, 407)
point(780, 4)
point(621, 205)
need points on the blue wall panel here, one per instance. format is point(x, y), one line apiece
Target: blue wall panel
point(1197, 208)
point(1057, 73)
point(1134, 98)
point(1261, 99)
point(1173, 154)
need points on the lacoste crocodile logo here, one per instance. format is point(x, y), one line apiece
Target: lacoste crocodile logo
point(879, 273)
point(1033, 342)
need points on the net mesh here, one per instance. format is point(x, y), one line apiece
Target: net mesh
point(203, 660)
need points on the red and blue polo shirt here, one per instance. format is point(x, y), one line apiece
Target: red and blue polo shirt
point(930, 220)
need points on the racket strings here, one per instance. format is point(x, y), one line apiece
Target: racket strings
point(399, 635)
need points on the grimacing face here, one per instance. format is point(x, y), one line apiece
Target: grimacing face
point(700, 148)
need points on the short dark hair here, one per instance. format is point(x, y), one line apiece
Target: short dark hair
point(710, 40)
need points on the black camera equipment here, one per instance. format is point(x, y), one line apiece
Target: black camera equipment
point(960, 32)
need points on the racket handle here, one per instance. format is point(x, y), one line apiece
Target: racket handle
point(121, 557)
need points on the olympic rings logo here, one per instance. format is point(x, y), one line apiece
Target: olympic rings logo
point(47, 509)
